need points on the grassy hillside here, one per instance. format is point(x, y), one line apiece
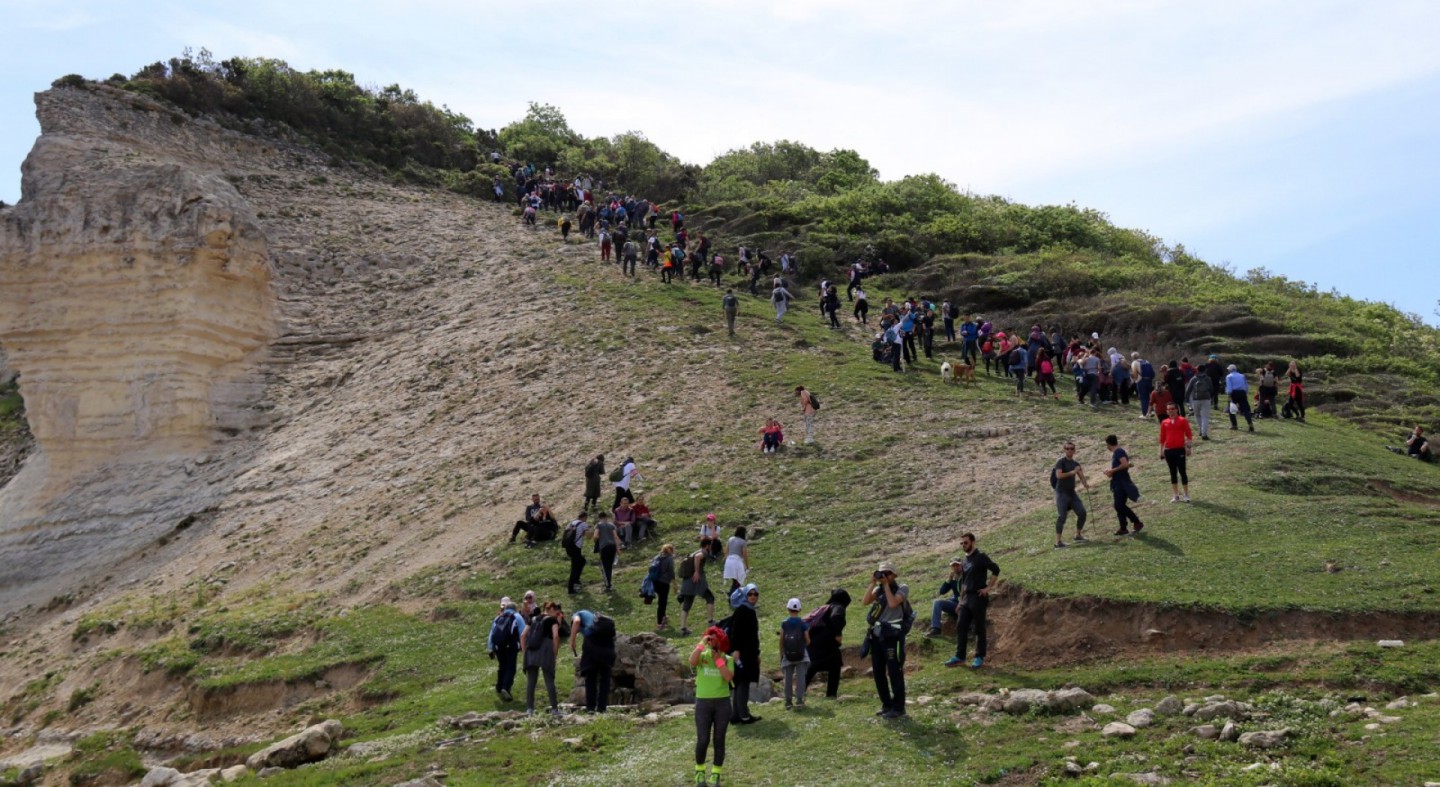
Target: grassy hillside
point(1312, 518)
point(903, 465)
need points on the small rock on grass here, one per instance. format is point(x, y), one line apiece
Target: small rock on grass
point(1103, 709)
point(1141, 718)
point(1116, 729)
point(1141, 778)
point(1265, 739)
point(1391, 643)
point(1170, 706)
point(1206, 732)
point(1230, 732)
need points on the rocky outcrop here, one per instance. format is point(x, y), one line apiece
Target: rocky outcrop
point(312, 744)
point(135, 301)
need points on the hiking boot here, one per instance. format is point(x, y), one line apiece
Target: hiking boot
point(1139, 526)
point(893, 714)
point(977, 663)
point(954, 661)
point(1078, 537)
point(1060, 544)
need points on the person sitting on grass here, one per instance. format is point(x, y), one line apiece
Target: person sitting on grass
point(1417, 445)
point(771, 436)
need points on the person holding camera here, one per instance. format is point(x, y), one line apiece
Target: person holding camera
point(714, 669)
point(889, 620)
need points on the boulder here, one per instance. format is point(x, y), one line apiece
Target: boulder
point(1170, 706)
point(1103, 709)
point(1072, 699)
point(309, 745)
point(31, 774)
point(1021, 701)
point(160, 777)
point(1230, 732)
point(647, 667)
point(233, 773)
point(1265, 739)
point(1222, 709)
point(1206, 732)
point(1141, 718)
point(1116, 729)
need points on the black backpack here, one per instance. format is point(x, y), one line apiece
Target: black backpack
point(814, 400)
point(537, 637)
point(792, 644)
point(604, 630)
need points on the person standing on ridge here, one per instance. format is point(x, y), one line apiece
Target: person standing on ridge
point(974, 601)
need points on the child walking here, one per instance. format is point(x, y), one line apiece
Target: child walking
point(794, 654)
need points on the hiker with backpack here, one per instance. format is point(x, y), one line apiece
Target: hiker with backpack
point(693, 584)
point(1144, 375)
point(744, 632)
point(730, 305)
point(1198, 394)
point(541, 642)
point(714, 670)
point(1018, 362)
point(594, 471)
point(794, 654)
point(1174, 380)
point(1122, 488)
point(573, 540)
point(827, 634)
point(503, 645)
point(621, 477)
point(597, 661)
point(1062, 479)
point(662, 576)
point(809, 403)
point(888, 622)
point(975, 571)
point(780, 298)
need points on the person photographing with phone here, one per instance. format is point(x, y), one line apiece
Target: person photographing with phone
point(714, 670)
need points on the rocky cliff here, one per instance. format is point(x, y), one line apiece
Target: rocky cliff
point(135, 302)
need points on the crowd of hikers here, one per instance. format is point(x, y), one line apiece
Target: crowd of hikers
point(725, 655)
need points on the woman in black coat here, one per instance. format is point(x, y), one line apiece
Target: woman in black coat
point(825, 641)
point(745, 646)
point(1175, 383)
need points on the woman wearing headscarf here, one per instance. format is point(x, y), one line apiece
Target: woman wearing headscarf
point(745, 647)
point(826, 633)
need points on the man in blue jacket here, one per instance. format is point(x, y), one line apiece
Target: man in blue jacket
point(503, 645)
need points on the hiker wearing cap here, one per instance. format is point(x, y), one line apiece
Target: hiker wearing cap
point(714, 670)
point(949, 601)
point(745, 646)
point(794, 654)
point(975, 573)
point(888, 620)
point(503, 645)
point(1239, 395)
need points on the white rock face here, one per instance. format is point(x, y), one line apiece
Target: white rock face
point(135, 301)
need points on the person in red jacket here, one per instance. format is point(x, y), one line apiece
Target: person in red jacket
point(1175, 440)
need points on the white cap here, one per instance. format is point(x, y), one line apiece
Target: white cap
point(793, 605)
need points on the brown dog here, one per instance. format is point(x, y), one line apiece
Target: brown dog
point(964, 371)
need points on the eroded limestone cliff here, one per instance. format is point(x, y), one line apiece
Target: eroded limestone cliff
point(135, 301)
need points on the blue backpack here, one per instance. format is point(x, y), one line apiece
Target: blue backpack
point(507, 632)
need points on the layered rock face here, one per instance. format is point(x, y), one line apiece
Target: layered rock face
point(135, 299)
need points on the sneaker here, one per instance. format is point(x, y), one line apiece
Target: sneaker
point(1174, 498)
point(932, 633)
point(1252, 427)
point(893, 714)
point(714, 779)
point(1184, 498)
point(1060, 545)
point(684, 632)
point(700, 775)
point(789, 706)
point(1204, 437)
point(1078, 537)
point(505, 695)
point(977, 663)
point(954, 661)
point(882, 711)
point(1139, 526)
point(1121, 532)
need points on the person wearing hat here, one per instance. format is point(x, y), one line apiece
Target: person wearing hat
point(1239, 398)
point(503, 645)
point(949, 601)
point(974, 601)
point(794, 654)
point(889, 610)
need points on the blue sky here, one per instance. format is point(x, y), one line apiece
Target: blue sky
point(1302, 137)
